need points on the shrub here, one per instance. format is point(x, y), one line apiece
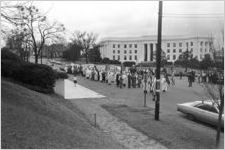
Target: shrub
point(6, 54)
point(9, 68)
point(128, 63)
point(61, 75)
point(37, 75)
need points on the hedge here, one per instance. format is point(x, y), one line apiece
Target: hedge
point(8, 55)
point(61, 75)
point(37, 77)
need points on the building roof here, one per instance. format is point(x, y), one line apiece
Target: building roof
point(153, 38)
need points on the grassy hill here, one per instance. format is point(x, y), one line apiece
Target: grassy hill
point(34, 120)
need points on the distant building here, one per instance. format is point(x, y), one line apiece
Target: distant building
point(142, 49)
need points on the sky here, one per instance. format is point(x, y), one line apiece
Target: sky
point(137, 18)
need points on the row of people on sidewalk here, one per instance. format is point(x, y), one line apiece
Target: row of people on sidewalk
point(144, 79)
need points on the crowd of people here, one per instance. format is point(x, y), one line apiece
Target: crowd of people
point(212, 76)
point(129, 77)
point(138, 78)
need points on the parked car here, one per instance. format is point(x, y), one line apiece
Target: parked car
point(204, 111)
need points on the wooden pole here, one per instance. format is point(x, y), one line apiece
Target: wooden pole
point(158, 62)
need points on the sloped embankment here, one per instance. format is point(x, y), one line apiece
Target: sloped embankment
point(34, 120)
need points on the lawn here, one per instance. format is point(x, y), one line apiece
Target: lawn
point(168, 131)
point(34, 120)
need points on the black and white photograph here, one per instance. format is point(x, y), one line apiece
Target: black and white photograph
point(112, 74)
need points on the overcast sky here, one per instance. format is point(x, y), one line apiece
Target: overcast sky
point(136, 18)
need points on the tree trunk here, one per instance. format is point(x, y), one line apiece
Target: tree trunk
point(221, 106)
point(36, 59)
point(86, 59)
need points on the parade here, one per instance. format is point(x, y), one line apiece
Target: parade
point(129, 77)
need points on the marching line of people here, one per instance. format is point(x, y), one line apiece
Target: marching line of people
point(132, 79)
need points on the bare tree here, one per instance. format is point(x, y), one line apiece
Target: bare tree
point(9, 11)
point(215, 92)
point(38, 30)
point(85, 40)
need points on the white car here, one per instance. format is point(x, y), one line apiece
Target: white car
point(205, 111)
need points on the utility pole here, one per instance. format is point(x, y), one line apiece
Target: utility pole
point(158, 62)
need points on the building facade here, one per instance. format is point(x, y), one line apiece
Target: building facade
point(143, 48)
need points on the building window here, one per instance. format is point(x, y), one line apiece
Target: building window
point(118, 45)
point(130, 45)
point(130, 51)
point(180, 44)
point(114, 46)
point(118, 57)
point(125, 57)
point(118, 51)
point(168, 44)
point(168, 57)
point(180, 50)
point(191, 50)
point(135, 51)
point(168, 50)
point(191, 43)
point(206, 43)
point(201, 43)
point(135, 45)
point(187, 44)
point(174, 57)
point(130, 57)
point(210, 44)
point(205, 50)
point(125, 46)
point(125, 51)
point(113, 57)
point(201, 50)
point(113, 51)
point(135, 57)
point(174, 50)
point(200, 56)
point(174, 44)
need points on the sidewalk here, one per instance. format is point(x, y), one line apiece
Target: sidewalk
point(78, 91)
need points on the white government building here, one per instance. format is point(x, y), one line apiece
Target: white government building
point(140, 49)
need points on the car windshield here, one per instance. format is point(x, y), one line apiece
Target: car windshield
point(207, 107)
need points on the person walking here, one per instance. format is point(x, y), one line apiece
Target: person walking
point(190, 79)
point(172, 78)
point(117, 80)
point(129, 80)
point(181, 74)
point(75, 80)
point(164, 83)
